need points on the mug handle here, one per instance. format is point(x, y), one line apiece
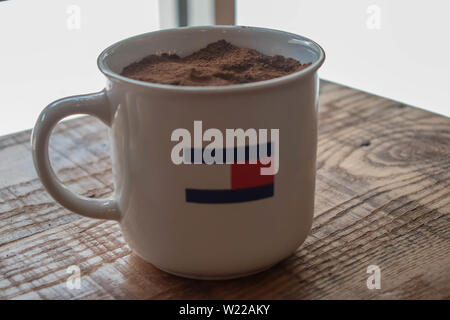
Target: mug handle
point(94, 104)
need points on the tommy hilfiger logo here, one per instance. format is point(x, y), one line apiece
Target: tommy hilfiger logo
point(252, 165)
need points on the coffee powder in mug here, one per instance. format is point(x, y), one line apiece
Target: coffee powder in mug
point(218, 64)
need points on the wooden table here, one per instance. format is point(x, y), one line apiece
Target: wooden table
point(382, 198)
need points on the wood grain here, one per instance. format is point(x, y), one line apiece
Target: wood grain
point(382, 198)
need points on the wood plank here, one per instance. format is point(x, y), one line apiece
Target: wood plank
point(382, 198)
point(25, 206)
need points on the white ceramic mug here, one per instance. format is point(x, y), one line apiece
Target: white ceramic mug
point(161, 224)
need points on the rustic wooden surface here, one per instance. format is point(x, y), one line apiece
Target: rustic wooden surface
point(382, 198)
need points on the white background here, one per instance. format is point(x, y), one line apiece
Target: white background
point(406, 59)
point(44, 56)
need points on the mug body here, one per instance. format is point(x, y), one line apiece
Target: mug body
point(160, 220)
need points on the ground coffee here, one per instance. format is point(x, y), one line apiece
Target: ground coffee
point(219, 64)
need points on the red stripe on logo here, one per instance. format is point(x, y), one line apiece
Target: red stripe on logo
point(249, 175)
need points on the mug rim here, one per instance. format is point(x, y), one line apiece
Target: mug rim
point(264, 84)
